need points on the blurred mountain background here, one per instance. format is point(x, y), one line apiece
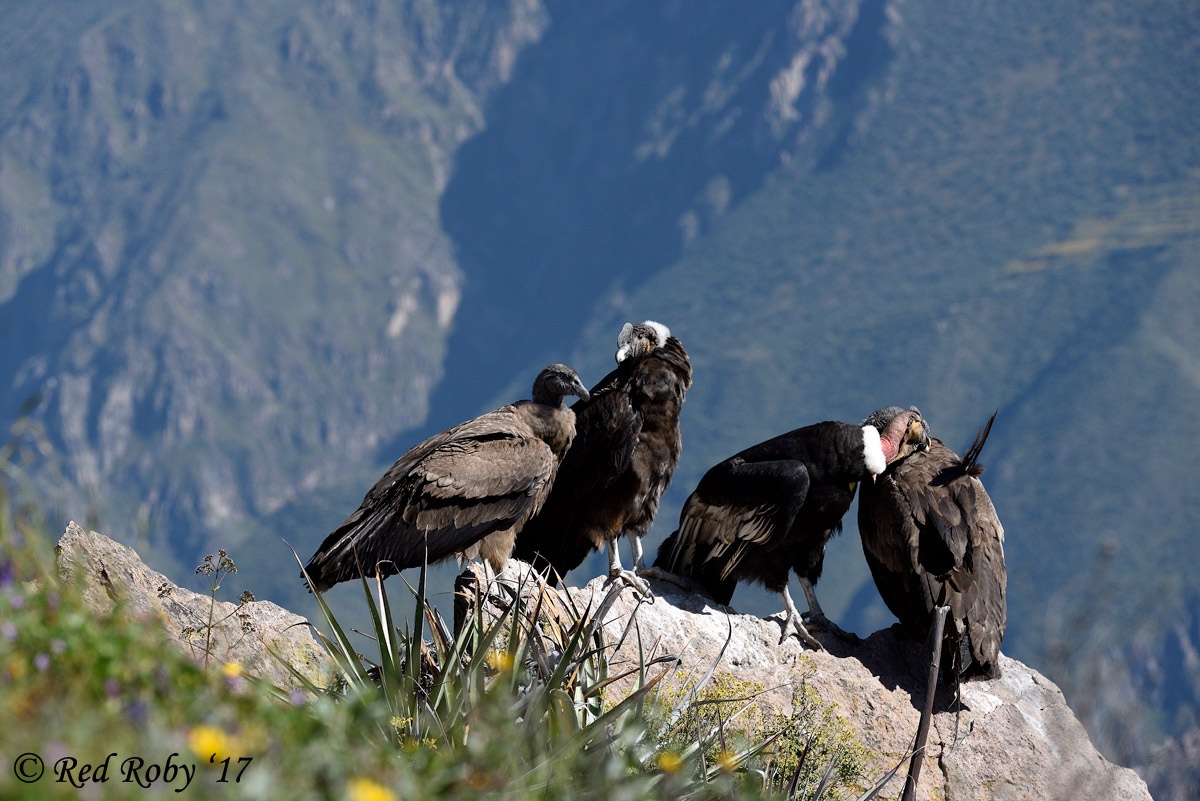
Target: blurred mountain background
point(250, 253)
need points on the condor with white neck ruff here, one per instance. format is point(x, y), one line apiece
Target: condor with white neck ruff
point(771, 509)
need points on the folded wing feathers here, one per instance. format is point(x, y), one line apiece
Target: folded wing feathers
point(942, 514)
point(482, 477)
point(717, 532)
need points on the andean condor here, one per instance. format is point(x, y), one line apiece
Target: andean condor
point(773, 507)
point(626, 447)
point(465, 491)
point(932, 538)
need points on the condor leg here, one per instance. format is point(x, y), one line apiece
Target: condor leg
point(794, 623)
point(615, 572)
point(816, 615)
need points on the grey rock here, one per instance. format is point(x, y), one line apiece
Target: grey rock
point(1008, 739)
point(262, 637)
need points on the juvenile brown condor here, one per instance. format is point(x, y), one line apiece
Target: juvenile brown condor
point(626, 447)
point(772, 508)
point(466, 491)
point(932, 538)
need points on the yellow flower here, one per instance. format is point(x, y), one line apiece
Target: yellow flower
point(360, 789)
point(727, 761)
point(499, 660)
point(212, 744)
point(669, 762)
point(231, 670)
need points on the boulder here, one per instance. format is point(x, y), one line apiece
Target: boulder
point(256, 635)
point(1007, 739)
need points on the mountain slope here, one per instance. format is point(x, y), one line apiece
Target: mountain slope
point(222, 269)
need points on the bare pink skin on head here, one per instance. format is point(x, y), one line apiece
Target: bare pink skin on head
point(889, 438)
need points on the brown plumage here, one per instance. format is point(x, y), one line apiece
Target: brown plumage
point(466, 491)
point(932, 537)
point(624, 454)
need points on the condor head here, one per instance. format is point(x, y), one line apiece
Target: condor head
point(556, 381)
point(902, 432)
point(635, 341)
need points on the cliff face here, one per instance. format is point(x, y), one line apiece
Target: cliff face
point(215, 220)
point(1012, 738)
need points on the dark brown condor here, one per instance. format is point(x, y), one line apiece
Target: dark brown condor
point(932, 538)
point(626, 447)
point(772, 508)
point(466, 491)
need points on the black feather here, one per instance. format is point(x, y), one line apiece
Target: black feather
point(768, 510)
point(626, 447)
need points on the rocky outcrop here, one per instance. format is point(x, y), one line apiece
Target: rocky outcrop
point(1012, 738)
point(260, 636)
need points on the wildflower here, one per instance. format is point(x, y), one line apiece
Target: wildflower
point(58, 645)
point(297, 697)
point(8, 630)
point(360, 789)
point(669, 762)
point(15, 669)
point(211, 743)
point(136, 712)
point(499, 660)
point(231, 670)
point(41, 662)
point(727, 761)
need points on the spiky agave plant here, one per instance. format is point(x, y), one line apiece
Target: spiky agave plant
point(519, 697)
point(536, 669)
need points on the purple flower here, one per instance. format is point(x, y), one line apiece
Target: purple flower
point(136, 712)
point(297, 697)
point(41, 662)
point(16, 600)
point(8, 630)
point(58, 645)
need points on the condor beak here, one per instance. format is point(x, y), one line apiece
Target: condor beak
point(918, 434)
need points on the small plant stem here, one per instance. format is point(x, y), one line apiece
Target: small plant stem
point(918, 757)
point(212, 605)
